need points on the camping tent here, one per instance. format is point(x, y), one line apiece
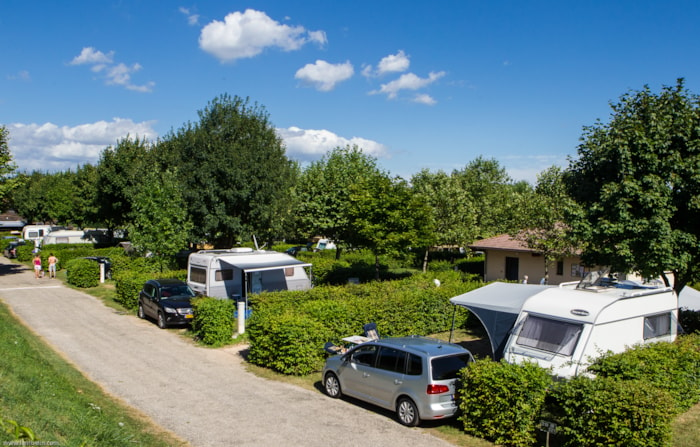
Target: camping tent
point(497, 306)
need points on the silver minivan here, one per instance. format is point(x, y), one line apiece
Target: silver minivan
point(414, 376)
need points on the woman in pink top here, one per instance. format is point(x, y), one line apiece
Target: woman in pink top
point(37, 266)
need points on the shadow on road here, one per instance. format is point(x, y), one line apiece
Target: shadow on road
point(9, 269)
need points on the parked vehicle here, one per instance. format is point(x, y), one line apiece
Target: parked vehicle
point(68, 237)
point(236, 272)
point(11, 249)
point(293, 251)
point(167, 301)
point(324, 244)
point(566, 327)
point(36, 233)
point(413, 376)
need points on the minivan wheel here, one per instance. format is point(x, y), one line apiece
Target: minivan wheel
point(161, 320)
point(332, 385)
point(407, 412)
point(141, 313)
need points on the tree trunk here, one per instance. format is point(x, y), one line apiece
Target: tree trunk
point(376, 266)
point(425, 260)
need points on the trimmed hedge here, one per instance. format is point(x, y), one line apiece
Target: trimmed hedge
point(128, 284)
point(83, 273)
point(607, 412)
point(213, 320)
point(406, 307)
point(673, 367)
point(502, 402)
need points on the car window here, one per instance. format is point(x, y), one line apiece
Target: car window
point(178, 290)
point(364, 355)
point(447, 367)
point(148, 289)
point(415, 365)
point(391, 359)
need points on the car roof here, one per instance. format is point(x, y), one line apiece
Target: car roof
point(423, 345)
point(168, 282)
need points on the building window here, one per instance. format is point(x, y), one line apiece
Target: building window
point(560, 268)
point(657, 326)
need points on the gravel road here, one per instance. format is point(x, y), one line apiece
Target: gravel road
point(203, 395)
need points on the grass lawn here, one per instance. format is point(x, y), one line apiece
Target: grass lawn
point(41, 391)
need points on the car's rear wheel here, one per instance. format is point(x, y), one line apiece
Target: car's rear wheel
point(141, 313)
point(161, 320)
point(407, 412)
point(332, 385)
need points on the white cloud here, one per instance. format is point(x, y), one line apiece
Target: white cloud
point(408, 81)
point(247, 34)
point(424, 99)
point(312, 144)
point(114, 73)
point(393, 63)
point(48, 147)
point(323, 75)
point(22, 75)
point(192, 19)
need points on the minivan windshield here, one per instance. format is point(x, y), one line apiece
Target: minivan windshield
point(445, 368)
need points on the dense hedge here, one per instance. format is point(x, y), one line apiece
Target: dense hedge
point(329, 313)
point(213, 320)
point(673, 367)
point(689, 320)
point(83, 273)
point(502, 402)
point(607, 412)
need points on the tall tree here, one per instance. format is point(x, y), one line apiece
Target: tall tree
point(637, 185)
point(324, 190)
point(236, 177)
point(160, 224)
point(452, 213)
point(8, 178)
point(387, 217)
point(119, 173)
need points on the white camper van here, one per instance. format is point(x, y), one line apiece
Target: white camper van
point(237, 272)
point(566, 327)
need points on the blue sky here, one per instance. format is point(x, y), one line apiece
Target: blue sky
point(416, 84)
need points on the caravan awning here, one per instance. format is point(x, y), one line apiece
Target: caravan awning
point(263, 263)
point(497, 306)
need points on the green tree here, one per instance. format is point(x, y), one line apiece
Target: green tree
point(236, 178)
point(452, 213)
point(637, 185)
point(119, 173)
point(29, 200)
point(387, 217)
point(160, 224)
point(543, 225)
point(493, 194)
point(324, 190)
point(8, 178)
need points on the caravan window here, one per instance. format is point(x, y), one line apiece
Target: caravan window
point(198, 275)
point(223, 275)
point(657, 326)
point(558, 337)
point(289, 271)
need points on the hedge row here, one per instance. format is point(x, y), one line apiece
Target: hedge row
point(213, 320)
point(129, 283)
point(287, 330)
point(631, 401)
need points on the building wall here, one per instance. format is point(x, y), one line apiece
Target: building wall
point(531, 265)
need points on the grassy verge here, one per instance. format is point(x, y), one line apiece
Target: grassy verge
point(41, 391)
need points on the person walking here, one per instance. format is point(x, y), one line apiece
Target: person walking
point(37, 266)
point(53, 260)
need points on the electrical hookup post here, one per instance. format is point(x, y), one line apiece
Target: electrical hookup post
point(549, 428)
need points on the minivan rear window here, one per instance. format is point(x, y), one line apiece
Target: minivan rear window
point(445, 368)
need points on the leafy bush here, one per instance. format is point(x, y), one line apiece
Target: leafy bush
point(24, 252)
point(83, 273)
point(673, 367)
point(689, 320)
point(502, 402)
point(213, 320)
point(605, 412)
point(129, 283)
point(410, 306)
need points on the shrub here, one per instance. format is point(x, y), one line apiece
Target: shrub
point(502, 402)
point(129, 284)
point(674, 367)
point(689, 320)
point(24, 252)
point(605, 412)
point(83, 273)
point(213, 320)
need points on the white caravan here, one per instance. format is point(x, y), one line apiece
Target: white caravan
point(566, 327)
point(238, 272)
point(68, 237)
point(36, 233)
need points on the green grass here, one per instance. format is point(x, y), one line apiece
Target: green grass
point(41, 391)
